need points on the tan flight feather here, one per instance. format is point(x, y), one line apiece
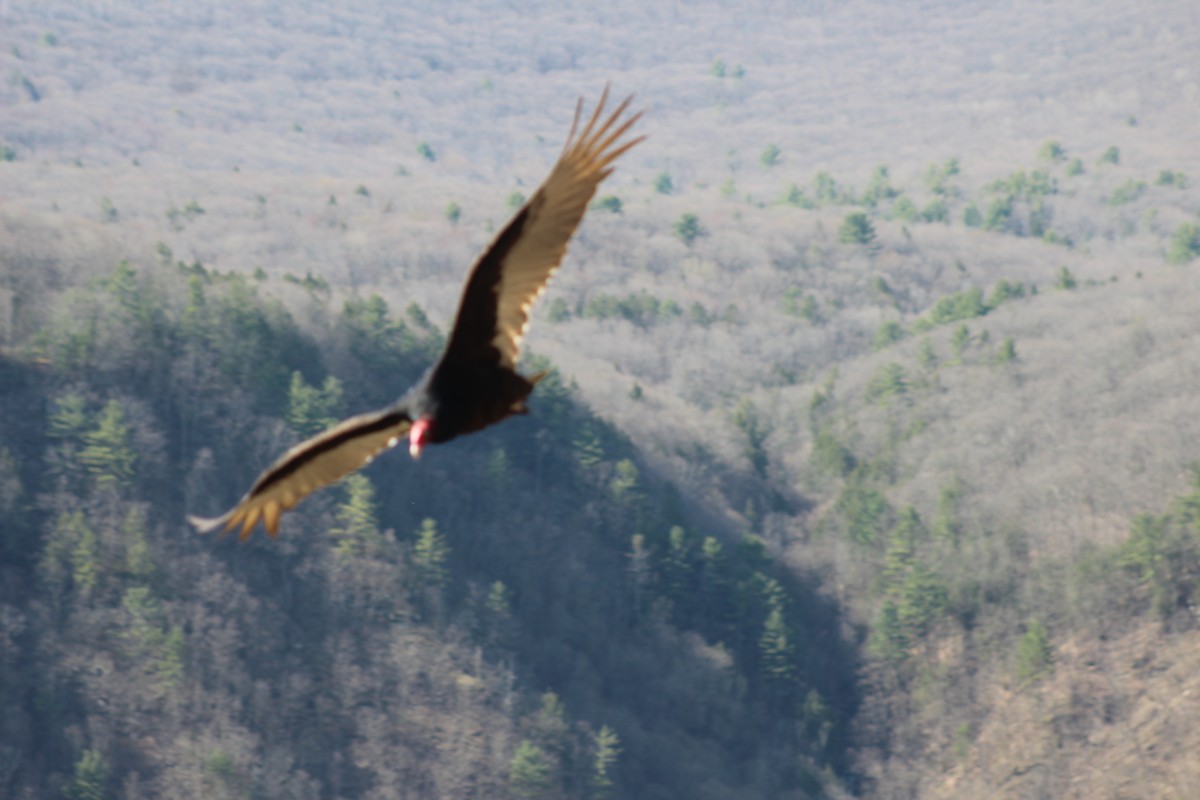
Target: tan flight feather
point(555, 211)
point(310, 465)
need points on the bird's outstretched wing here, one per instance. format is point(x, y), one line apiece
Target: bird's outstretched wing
point(493, 314)
point(310, 465)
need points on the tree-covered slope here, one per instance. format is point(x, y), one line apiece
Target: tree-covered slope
point(521, 614)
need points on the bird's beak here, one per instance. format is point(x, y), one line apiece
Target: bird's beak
point(417, 436)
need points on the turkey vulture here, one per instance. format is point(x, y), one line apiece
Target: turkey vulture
point(475, 383)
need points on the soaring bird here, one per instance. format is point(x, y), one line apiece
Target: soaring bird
point(475, 383)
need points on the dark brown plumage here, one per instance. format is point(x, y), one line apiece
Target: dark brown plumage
point(475, 383)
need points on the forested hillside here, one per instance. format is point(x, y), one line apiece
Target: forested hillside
point(514, 615)
point(868, 466)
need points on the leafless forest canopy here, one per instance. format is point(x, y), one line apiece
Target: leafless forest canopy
point(868, 468)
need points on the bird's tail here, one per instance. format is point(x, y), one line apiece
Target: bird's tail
point(518, 406)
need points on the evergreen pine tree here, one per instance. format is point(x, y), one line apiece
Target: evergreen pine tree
point(1035, 657)
point(608, 749)
point(90, 778)
point(430, 554)
point(108, 453)
point(356, 531)
point(777, 649)
point(530, 772)
point(311, 410)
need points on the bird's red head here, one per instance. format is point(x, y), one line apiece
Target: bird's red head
point(418, 436)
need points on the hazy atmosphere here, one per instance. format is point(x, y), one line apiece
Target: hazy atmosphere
point(868, 464)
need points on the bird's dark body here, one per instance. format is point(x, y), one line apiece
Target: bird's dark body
point(464, 398)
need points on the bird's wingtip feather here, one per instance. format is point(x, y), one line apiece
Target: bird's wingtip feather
point(206, 524)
